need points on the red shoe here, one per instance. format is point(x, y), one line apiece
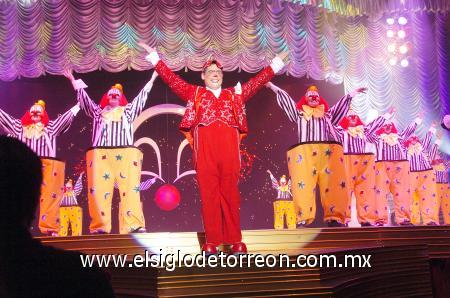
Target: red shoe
point(209, 249)
point(239, 248)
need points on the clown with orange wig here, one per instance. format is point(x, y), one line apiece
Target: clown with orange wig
point(357, 139)
point(113, 158)
point(317, 158)
point(39, 133)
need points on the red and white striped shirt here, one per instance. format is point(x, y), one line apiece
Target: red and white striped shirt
point(315, 129)
point(45, 145)
point(397, 152)
point(419, 161)
point(360, 144)
point(112, 133)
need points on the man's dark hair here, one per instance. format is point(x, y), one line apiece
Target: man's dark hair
point(20, 183)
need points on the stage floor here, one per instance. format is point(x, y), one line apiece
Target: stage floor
point(291, 242)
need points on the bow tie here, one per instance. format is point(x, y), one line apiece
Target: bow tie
point(356, 131)
point(390, 139)
point(114, 115)
point(309, 112)
point(34, 131)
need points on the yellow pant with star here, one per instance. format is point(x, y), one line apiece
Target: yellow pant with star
point(393, 177)
point(361, 181)
point(51, 194)
point(284, 209)
point(71, 216)
point(443, 198)
point(425, 208)
point(318, 164)
point(105, 166)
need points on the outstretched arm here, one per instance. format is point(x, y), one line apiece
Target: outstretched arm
point(408, 131)
point(286, 103)
point(340, 109)
point(137, 105)
point(427, 140)
point(273, 180)
point(179, 86)
point(86, 104)
point(63, 122)
point(78, 185)
point(10, 124)
point(372, 127)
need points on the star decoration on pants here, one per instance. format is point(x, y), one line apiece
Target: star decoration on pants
point(342, 184)
point(136, 189)
point(106, 176)
point(301, 185)
point(118, 157)
point(314, 172)
point(328, 152)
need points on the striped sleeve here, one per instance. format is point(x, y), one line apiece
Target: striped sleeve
point(287, 104)
point(274, 182)
point(79, 185)
point(340, 109)
point(339, 133)
point(61, 124)
point(10, 124)
point(372, 127)
point(433, 152)
point(86, 104)
point(427, 141)
point(134, 108)
point(407, 132)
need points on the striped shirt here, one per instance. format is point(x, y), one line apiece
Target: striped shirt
point(442, 173)
point(316, 129)
point(45, 145)
point(357, 144)
point(420, 161)
point(70, 198)
point(282, 194)
point(397, 152)
point(113, 133)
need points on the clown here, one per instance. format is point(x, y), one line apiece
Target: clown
point(317, 159)
point(392, 172)
point(357, 140)
point(283, 205)
point(214, 122)
point(39, 133)
point(422, 181)
point(441, 167)
point(113, 157)
point(70, 213)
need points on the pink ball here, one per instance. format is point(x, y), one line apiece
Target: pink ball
point(167, 197)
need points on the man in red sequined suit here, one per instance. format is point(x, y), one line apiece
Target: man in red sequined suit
point(214, 123)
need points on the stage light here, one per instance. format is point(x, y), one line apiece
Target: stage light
point(401, 34)
point(404, 62)
point(402, 20)
point(393, 61)
point(390, 33)
point(391, 48)
point(390, 21)
point(403, 49)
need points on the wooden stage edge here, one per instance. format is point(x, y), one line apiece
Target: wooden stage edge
point(291, 242)
point(405, 262)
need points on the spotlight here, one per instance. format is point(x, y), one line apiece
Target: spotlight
point(390, 33)
point(390, 21)
point(402, 20)
point(403, 49)
point(404, 62)
point(401, 34)
point(391, 48)
point(393, 61)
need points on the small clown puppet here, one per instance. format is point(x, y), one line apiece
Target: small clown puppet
point(214, 122)
point(441, 165)
point(70, 213)
point(392, 172)
point(357, 140)
point(283, 207)
point(40, 133)
point(317, 158)
point(425, 208)
point(113, 158)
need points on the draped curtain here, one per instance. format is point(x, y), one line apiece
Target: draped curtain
point(341, 41)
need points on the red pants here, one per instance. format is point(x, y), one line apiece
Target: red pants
point(218, 165)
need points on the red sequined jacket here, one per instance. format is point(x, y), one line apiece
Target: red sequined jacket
point(203, 108)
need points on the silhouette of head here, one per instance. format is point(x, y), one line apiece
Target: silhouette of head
point(20, 183)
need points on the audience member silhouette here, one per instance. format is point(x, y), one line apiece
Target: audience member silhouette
point(28, 268)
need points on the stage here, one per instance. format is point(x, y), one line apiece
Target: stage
point(405, 261)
